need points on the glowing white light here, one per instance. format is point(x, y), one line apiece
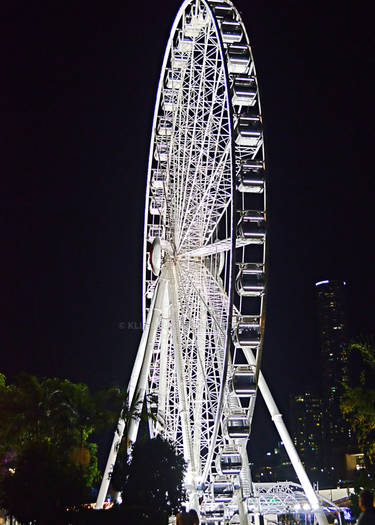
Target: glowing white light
point(297, 506)
point(321, 282)
point(306, 506)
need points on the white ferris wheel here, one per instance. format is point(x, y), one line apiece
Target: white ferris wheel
point(204, 264)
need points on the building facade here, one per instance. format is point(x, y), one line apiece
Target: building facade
point(331, 308)
point(332, 327)
point(306, 414)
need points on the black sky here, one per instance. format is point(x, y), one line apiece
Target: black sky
point(78, 82)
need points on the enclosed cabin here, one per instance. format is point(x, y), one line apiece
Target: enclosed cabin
point(155, 230)
point(250, 280)
point(222, 11)
point(174, 79)
point(164, 127)
point(247, 331)
point(244, 90)
point(248, 130)
point(252, 226)
point(212, 514)
point(157, 202)
point(222, 488)
point(161, 151)
point(229, 461)
point(184, 43)
point(251, 177)
point(194, 22)
point(237, 424)
point(243, 380)
point(179, 60)
point(231, 31)
point(239, 58)
point(170, 99)
point(158, 178)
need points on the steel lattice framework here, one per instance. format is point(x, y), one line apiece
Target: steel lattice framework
point(204, 264)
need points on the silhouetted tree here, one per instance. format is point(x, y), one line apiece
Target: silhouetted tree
point(44, 484)
point(151, 481)
point(46, 457)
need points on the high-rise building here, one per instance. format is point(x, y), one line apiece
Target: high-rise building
point(332, 331)
point(306, 417)
point(331, 308)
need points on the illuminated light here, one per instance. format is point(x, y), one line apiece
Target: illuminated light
point(297, 506)
point(306, 506)
point(268, 454)
point(321, 282)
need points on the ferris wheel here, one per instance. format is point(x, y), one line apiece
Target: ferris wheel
point(204, 259)
point(204, 249)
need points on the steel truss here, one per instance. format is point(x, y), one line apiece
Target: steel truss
point(204, 265)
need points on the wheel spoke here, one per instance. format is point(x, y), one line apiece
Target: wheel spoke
point(223, 245)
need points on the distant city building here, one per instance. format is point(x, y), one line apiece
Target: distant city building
point(273, 466)
point(331, 309)
point(306, 415)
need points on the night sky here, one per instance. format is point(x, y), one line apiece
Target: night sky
point(77, 90)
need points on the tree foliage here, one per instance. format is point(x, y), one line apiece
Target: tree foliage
point(46, 457)
point(45, 483)
point(151, 480)
point(358, 401)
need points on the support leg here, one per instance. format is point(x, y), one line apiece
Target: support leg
point(140, 389)
point(131, 390)
point(288, 443)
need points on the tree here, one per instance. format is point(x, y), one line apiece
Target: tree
point(44, 484)
point(44, 444)
point(358, 401)
point(152, 481)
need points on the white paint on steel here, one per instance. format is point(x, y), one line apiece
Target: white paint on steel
point(288, 443)
point(121, 423)
point(201, 140)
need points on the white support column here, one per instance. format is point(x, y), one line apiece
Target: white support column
point(140, 390)
point(117, 438)
point(288, 443)
point(163, 375)
point(245, 489)
point(110, 464)
point(184, 407)
point(141, 351)
point(242, 510)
